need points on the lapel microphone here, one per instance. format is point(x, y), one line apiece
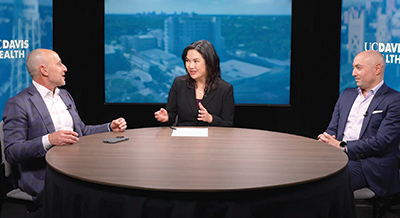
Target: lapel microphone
point(365, 114)
point(69, 107)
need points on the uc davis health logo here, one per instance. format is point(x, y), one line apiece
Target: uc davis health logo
point(13, 49)
point(391, 51)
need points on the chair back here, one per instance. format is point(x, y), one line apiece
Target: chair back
point(15, 194)
point(7, 166)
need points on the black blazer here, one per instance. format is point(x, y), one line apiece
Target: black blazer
point(182, 103)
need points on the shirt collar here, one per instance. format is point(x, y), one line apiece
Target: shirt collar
point(43, 91)
point(373, 90)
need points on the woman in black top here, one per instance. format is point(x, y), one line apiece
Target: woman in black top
point(201, 97)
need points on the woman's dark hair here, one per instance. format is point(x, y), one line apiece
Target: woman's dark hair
point(206, 49)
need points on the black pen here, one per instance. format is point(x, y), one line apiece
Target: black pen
point(172, 127)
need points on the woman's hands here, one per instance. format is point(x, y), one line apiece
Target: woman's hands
point(204, 115)
point(161, 115)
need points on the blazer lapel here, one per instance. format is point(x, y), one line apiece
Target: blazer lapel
point(67, 101)
point(346, 111)
point(207, 98)
point(64, 95)
point(379, 96)
point(41, 108)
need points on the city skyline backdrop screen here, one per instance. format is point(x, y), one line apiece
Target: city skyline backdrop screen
point(144, 41)
point(370, 25)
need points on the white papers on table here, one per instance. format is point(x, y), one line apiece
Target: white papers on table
point(190, 132)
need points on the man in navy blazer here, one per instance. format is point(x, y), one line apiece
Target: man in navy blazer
point(42, 116)
point(366, 125)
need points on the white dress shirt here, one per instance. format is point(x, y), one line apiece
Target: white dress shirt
point(59, 113)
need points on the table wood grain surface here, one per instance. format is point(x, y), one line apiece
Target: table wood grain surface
point(229, 159)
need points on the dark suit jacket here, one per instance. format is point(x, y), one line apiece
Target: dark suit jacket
point(26, 120)
point(377, 147)
point(182, 102)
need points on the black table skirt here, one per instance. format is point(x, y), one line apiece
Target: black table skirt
point(69, 197)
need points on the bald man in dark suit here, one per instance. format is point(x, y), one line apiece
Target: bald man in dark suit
point(366, 125)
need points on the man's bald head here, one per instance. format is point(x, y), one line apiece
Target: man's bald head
point(35, 59)
point(46, 68)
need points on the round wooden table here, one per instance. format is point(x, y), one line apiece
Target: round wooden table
point(261, 172)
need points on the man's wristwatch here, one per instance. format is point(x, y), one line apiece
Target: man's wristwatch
point(343, 146)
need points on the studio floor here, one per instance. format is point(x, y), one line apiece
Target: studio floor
point(12, 210)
